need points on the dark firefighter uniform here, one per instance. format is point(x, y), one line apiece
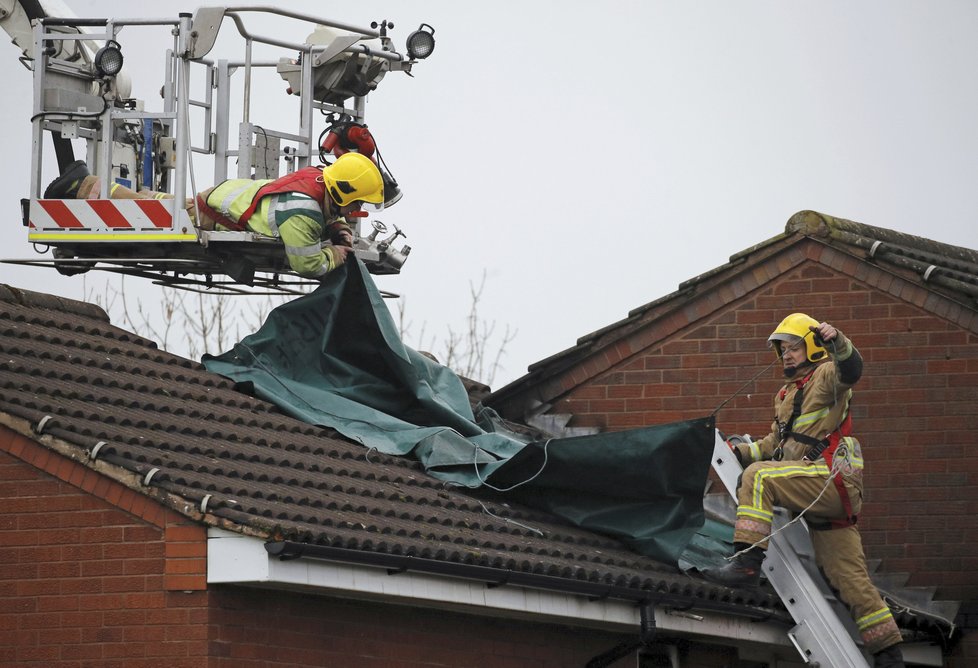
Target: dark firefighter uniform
point(785, 468)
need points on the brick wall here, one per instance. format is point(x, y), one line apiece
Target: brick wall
point(914, 410)
point(84, 583)
point(93, 573)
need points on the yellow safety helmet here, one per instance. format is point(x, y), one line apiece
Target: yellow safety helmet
point(354, 177)
point(793, 329)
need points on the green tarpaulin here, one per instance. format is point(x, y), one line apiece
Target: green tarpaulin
point(334, 358)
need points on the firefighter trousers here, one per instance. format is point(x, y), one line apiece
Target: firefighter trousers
point(90, 185)
point(795, 485)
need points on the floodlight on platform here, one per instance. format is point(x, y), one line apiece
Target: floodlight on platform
point(421, 42)
point(108, 59)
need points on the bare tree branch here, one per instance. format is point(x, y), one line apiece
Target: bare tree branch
point(469, 352)
point(192, 324)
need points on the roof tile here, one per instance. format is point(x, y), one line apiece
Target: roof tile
point(126, 405)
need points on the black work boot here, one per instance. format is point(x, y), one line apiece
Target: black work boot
point(891, 657)
point(744, 570)
point(66, 185)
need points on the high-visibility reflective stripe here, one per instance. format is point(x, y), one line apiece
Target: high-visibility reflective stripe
point(874, 618)
point(813, 471)
point(755, 451)
point(756, 513)
point(304, 251)
point(809, 418)
point(297, 202)
point(110, 236)
point(290, 204)
point(230, 197)
point(272, 223)
point(313, 251)
point(854, 457)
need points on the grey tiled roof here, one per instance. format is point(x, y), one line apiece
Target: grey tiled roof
point(194, 442)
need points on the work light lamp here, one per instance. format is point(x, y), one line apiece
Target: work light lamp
point(108, 59)
point(421, 42)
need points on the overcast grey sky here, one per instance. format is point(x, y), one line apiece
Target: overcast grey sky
point(592, 156)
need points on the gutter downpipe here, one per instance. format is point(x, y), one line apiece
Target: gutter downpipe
point(646, 640)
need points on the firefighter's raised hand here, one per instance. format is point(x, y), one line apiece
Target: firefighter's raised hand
point(824, 333)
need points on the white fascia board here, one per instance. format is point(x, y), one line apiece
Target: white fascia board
point(236, 559)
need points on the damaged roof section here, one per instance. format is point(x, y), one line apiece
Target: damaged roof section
point(173, 431)
point(614, 377)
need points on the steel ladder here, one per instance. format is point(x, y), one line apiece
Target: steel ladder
point(824, 633)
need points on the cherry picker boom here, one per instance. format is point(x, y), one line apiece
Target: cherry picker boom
point(82, 94)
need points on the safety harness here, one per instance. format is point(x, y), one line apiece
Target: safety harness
point(306, 181)
point(825, 448)
point(207, 211)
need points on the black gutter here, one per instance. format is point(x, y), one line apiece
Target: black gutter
point(497, 577)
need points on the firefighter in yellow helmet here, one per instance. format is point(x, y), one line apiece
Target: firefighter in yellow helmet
point(303, 209)
point(809, 462)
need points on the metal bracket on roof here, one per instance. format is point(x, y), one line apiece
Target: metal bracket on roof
point(682, 612)
point(875, 247)
point(929, 271)
point(93, 453)
point(203, 503)
point(149, 476)
point(39, 427)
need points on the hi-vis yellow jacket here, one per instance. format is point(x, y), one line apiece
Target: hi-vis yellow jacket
point(293, 217)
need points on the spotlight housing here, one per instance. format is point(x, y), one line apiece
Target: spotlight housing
point(421, 42)
point(108, 59)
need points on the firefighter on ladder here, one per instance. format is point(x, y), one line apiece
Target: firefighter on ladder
point(303, 208)
point(810, 463)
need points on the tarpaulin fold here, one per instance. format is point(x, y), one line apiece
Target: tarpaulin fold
point(334, 358)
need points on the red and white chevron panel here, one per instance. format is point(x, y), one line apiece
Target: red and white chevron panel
point(102, 215)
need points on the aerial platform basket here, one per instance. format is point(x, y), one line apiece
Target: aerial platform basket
point(82, 95)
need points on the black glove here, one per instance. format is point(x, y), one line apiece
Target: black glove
point(816, 338)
